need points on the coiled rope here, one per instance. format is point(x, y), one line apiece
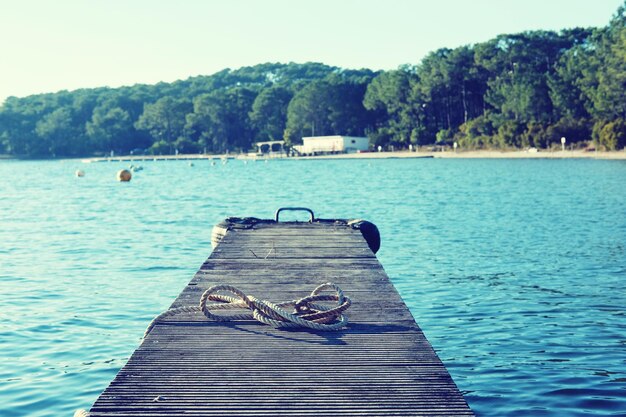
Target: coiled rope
point(306, 313)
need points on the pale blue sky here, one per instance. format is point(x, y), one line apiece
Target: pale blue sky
point(51, 45)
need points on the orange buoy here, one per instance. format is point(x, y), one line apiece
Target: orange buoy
point(124, 175)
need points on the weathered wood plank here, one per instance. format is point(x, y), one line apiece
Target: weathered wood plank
point(381, 365)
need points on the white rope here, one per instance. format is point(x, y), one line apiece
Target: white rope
point(306, 313)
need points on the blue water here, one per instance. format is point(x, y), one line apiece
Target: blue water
point(515, 269)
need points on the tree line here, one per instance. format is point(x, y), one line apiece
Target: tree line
point(514, 91)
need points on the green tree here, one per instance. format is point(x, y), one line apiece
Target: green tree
point(346, 112)
point(56, 132)
point(610, 135)
point(165, 119)
point(565, 90)
point(606, 84)
point(398, 118)
point(308, 111)
point(332, 106)
point(451, 88)
point(111, 128)
point(477, 133)
point(269, 112)
point(220, 120)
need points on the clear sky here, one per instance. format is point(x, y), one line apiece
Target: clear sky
point(51, 45)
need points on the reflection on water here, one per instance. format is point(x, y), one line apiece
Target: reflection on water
point(514, 269)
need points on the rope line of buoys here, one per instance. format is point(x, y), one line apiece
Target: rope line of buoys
point(123, 175)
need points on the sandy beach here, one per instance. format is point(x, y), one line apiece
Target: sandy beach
point(579, 154)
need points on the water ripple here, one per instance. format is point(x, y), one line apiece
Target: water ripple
point(514, 269)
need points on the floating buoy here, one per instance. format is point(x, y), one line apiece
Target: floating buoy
point(124, 175)
point(80, 173)
point(369, 231)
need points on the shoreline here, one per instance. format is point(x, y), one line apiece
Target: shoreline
point(480, 154)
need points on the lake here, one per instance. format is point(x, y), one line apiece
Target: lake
point(514, 269)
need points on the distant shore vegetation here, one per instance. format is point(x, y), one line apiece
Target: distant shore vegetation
point(515, 91)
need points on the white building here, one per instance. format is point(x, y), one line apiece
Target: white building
point(332, 144)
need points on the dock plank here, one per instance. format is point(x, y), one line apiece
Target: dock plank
point(381, 365)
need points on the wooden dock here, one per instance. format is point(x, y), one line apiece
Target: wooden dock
point(143, 158)
point(381, 365)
